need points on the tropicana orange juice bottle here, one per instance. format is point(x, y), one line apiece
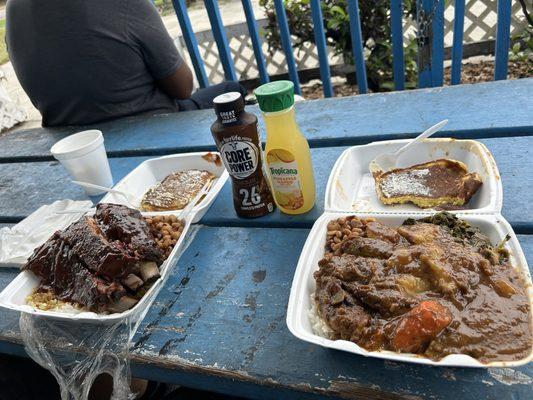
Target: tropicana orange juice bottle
point(287, 152)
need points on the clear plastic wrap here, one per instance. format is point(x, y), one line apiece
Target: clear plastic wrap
point(18, 242)
point(76, 352)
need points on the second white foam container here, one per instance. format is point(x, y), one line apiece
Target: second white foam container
point(351, 186)
point(351, 191)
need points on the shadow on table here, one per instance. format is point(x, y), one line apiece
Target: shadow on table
point(16, 373)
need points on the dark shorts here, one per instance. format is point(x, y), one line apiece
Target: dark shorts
point(203, 98)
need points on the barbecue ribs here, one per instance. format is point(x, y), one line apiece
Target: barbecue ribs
point(94, 261)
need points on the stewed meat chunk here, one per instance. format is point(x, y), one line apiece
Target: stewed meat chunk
point(367, 247)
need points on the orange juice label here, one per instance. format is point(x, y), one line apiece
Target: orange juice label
point(285, 179)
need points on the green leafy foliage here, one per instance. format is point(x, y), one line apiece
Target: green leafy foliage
point(376, 34)
point(4, 57)
point(522, 49)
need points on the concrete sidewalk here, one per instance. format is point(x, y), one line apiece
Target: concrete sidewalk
point(231, 12)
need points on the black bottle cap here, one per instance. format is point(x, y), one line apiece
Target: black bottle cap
point(228, 106)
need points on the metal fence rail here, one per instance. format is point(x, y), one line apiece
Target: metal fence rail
point(431, 37)
point(457, 49)
point(398, 63)
point(256, 41)
point(190, 41)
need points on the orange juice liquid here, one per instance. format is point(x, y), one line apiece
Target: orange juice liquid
point(288, 161)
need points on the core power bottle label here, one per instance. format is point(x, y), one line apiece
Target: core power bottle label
point(285, 179)
point(235, 133)
point(240, 157)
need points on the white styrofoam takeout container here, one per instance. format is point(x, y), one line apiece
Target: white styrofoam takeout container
point(303, 286)
point(152, 171)
point(351, 185)
point(14, 295)
point(351, 191)
point(136, 182)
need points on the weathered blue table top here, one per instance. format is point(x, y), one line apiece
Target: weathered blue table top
point(219, 322)
point(41, 183)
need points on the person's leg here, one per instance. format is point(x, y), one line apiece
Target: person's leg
point(203, 98)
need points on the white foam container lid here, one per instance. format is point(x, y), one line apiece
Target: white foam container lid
point(14, 295)
point(351, 185)
point(303, 286)
point(351, 191)
point(154, 170)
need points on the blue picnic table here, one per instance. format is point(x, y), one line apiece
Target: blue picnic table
point(219, 322)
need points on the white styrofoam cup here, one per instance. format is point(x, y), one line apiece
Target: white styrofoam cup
point(83, 156)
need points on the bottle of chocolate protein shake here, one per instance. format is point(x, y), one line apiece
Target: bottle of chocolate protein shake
point(235, 133)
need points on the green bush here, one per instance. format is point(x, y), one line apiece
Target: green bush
point(4, 57)
point(522, 49)
point(375, 28)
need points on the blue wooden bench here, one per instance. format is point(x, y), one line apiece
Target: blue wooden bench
point(492, 109)
point(218, 324)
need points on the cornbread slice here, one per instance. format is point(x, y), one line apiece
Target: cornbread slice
point(175, 191)
point(435, 183)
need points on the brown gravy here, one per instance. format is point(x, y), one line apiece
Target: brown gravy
point(434, 287)
point(435, 183)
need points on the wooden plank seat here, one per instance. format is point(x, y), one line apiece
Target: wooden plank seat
point(493, 109)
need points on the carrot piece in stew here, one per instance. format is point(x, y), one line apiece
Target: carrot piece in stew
point(420, 326)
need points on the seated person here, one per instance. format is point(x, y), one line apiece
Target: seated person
point(82, 62)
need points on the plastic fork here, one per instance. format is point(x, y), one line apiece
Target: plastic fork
point(203, 191)
point(78, 211)
point(133, 200)
point(386, 162)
